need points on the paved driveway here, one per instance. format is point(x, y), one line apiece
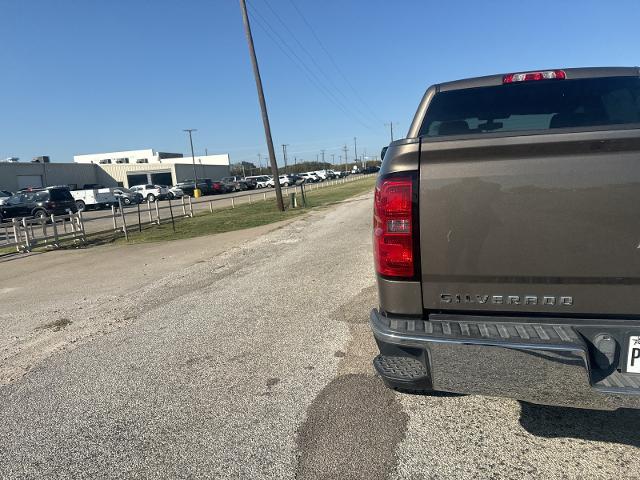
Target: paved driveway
point(254, 362)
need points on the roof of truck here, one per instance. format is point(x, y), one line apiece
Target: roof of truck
point(571, 73)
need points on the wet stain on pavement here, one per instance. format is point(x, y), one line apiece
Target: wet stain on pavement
point(357, 311)
point(351, 431)
point(355, 423)
point(272, 381)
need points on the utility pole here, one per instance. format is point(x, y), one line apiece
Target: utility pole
point(260, 162)
point(333, 159)
point(263, 105)
point(196, 190)
point(322, 151)
point(206, 152)
point(284, 154)
point(390, 124)
point(355, 147)
point(344, 149)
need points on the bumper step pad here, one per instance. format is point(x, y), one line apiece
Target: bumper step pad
point(403, 373)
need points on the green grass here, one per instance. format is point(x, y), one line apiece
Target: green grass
point(242, 216)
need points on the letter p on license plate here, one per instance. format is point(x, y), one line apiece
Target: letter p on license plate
point(633, 357)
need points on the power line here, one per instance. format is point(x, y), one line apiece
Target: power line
point(293, 56)
point(311, 58)
point(339, 70)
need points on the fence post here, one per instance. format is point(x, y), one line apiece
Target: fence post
point(250, 199)
point(113, 213)
point(264, 196)
point(124, 220)
point(211, 206)
point(173, 223)
point(16, 236)
point(190, 208)
point(56, 242)
point(81, 225)
point(139, 220)
point(43, 222)
point(233, 203)
point(27, 240)
point(158, 211)
point(184, 207)
point(149, 211)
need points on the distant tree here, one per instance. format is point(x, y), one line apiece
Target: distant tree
point(243, 168)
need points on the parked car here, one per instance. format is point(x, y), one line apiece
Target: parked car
point(174, 192)
point(286, 180)
point(38, 203)
point(239, 182)
point(128, 197)
point(310, 177)
point(4, 195)
point(261, 181)
point(322, 175)
point(505, 241)
point(230, 185)
point(251, 183)
point(151, 192)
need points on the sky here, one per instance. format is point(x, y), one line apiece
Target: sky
point(90, 76)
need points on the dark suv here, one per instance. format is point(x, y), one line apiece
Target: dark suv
point(38, 203)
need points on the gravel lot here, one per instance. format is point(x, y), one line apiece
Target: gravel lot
point(253, 361)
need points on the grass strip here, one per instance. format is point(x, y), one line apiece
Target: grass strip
point(243, 216)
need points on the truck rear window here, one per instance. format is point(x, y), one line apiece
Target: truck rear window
point(60, 195)
point(537, 105)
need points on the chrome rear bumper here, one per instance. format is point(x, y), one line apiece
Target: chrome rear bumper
point(536, 362)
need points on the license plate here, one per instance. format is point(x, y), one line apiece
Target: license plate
point(633, 357)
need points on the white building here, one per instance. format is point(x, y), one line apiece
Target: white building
point(132, 167)
point(149, 155)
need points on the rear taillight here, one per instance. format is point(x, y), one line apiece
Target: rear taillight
point(393, 227)
point(532, 76)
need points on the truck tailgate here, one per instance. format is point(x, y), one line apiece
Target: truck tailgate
point(540, 223)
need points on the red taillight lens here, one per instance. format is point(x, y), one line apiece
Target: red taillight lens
point(532, 76)
point(393, 227)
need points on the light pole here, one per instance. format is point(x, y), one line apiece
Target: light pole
point(355, 148)
point(390, 124)
point(345, 157)
point(284, 154)
point(196, 190)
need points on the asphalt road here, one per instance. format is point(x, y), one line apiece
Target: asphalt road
point(255, 363)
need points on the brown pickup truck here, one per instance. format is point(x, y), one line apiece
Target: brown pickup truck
point(507, 240)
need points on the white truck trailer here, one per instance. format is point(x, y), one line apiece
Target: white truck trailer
point(94, 198)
